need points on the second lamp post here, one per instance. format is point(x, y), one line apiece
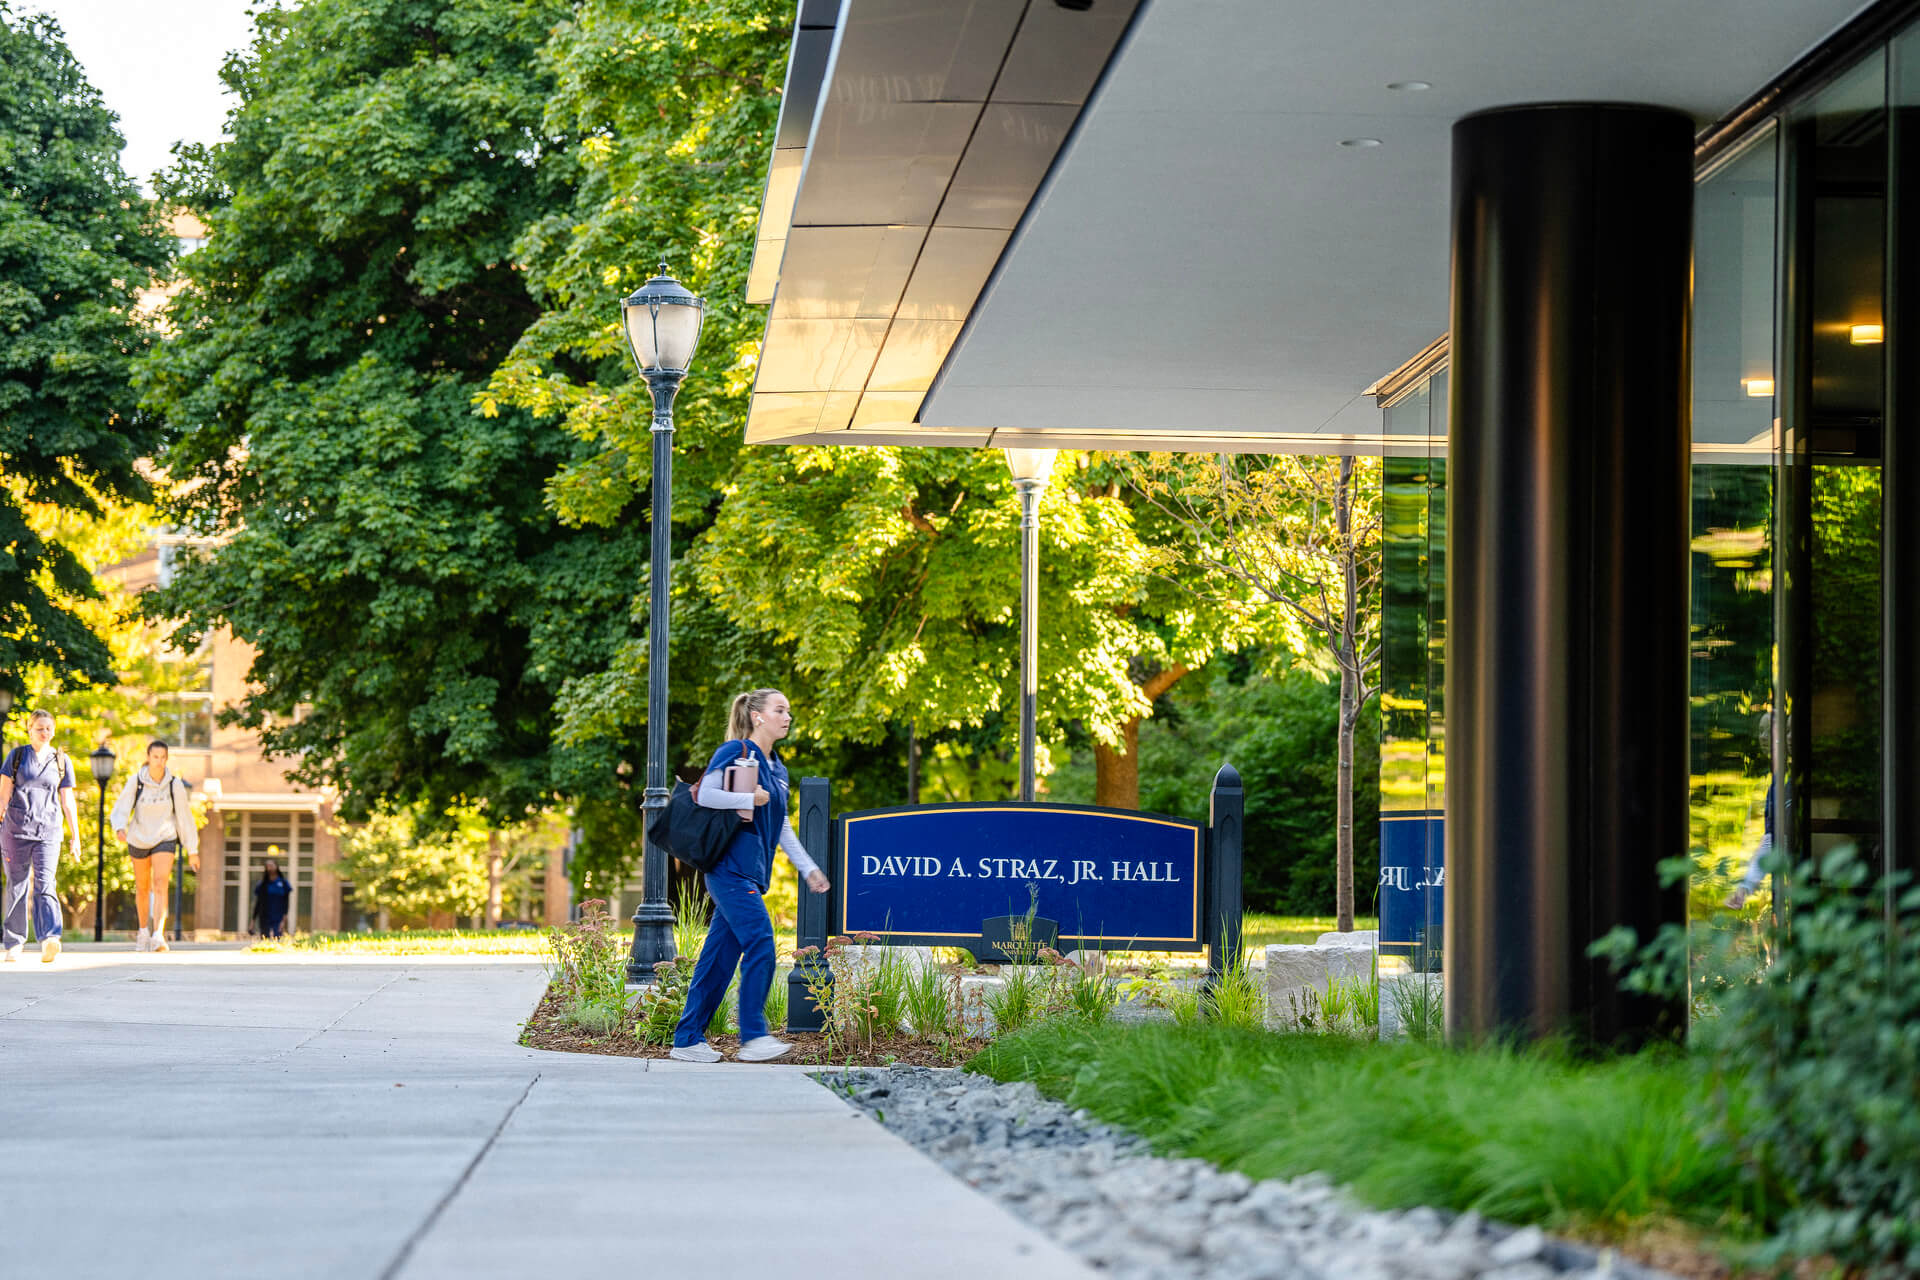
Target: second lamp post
point(662, 321)
point(100, 759)
point(1030, 468)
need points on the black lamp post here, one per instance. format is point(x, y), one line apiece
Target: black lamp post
point(1030, 468)
point(663, 328)
point(101, 761)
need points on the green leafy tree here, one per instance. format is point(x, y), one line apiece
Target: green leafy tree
point(397, 866)
point(76, 241)
point(383, 544)
point(1295, 539)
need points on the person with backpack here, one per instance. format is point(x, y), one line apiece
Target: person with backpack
point(154, 818)
point(742, 933)
point(36, 796)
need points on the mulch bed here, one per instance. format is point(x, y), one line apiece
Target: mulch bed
point(545, 1030)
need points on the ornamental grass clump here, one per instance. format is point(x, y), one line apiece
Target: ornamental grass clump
point(932, 1001)
point(1816, 1062)
point(1235, 997)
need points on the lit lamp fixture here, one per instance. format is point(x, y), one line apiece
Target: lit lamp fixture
point(662, 320)
point(101, 761)
point(1030, 468)
point(1866, 335)
point(1758, 388)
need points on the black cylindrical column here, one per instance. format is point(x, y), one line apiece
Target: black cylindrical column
point(1567, 560)
point(1900, 496)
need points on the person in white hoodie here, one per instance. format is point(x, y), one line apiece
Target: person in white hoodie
point(154, 817)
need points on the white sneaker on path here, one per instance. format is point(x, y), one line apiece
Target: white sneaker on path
point(143, 941)
point(13, 954)
point(49, 951)
point(762, 1049)
point(702, 1052)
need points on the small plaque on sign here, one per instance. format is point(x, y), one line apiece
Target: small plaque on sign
point(1016, 939)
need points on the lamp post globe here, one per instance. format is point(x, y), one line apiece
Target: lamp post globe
point(101, 760)
point(662, 319)
point(1030, 468)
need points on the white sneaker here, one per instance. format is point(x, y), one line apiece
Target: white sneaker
point(49, 951)
point(159, 942)
point(762, 1049)
point(702, 1052)
point(143, 941)
point(13, 954)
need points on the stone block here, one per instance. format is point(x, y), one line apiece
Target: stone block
point(976, 1019)
point(1297, 973)
point(1368, 938)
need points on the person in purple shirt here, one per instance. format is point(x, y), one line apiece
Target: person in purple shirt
point(742, 933)
point(36, 797)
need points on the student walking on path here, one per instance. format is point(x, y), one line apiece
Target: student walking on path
point(36, 796)
point(270, 899)
point(154, 818)
point(742, 933)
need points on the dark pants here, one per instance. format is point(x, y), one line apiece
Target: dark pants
point(741, 934)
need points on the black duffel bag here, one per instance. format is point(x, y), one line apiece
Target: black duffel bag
point(696, 835)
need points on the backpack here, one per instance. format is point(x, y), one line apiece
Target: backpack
point(173, 800)
point(18, 756)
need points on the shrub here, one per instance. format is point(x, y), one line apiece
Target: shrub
point(662, 1004)
point(589, 969)
point(1022, 998)
point(1819, 1057)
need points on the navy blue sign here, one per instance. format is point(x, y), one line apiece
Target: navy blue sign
point(1109, 877)
point(1413, 877)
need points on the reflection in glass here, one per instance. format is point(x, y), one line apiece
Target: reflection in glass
point(1830, 613)
point(1731, 623)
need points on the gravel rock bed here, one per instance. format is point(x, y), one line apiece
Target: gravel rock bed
point(1104, 1196)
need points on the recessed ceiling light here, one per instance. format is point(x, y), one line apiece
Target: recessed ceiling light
point(1757, 387)
point(1359, 142)
point(1410, 86)
point(1866, 335)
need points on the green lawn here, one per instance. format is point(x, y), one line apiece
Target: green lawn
point(1596, 1147)
point(415, 942)
point(1257, 929)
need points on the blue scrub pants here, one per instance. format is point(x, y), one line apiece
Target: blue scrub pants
point(741, 934)
point(30, 867)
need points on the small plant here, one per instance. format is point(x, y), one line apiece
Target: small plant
point(1417, 1006)
point(724, 1020)
point(816, 971)
point(1089, 996)
point(776, 1005)
point(1022, 947)
point(887, 992)
point(1235, 997)
point(692, 914)
point(931, 998)
point(662, 1004)
point(1022, 999)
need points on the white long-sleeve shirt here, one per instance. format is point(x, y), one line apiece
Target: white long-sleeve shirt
point(713, 794)
point(164, 812)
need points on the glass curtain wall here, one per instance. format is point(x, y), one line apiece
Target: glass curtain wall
point(1731, 619)
point(1833, 414)
point(1412, 767)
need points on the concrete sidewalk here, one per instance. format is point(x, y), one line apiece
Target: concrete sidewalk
point(213, 1114)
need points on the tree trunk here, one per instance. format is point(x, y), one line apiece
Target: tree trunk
point(494, 863)
point(1348, 648)
point(1343, 836)
point(1116, 770)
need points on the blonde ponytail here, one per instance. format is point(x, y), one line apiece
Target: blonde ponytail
point(740, 718)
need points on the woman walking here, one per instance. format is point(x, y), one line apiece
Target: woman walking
point(742, 933)
point(154, 818)
point(36, 795)
point(270, 899)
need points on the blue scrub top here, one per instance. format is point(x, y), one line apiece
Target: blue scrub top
point(33, 814)
point(756, 851)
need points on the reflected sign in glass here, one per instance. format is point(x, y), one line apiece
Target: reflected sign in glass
point(933, 873)
point(1412, 879)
